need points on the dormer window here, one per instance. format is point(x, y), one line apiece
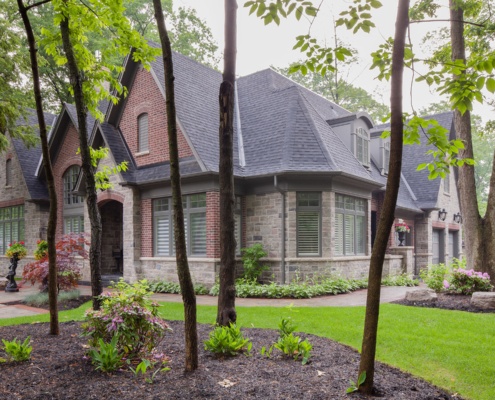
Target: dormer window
point(143, 133)
point(363, 146)
point(386, 156)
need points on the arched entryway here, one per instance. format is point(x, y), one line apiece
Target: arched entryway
point(112, 239)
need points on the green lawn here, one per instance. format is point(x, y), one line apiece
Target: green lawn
point(454, 350)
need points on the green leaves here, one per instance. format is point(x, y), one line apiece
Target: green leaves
point(358, 17)
point(354, 387)
point(274, 10)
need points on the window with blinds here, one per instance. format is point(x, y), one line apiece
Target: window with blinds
point(11, 226)
point(143, 142)
point(308, 224)
point(350, 225)
point(74, 224)
point(194, 223)
point(69, 181)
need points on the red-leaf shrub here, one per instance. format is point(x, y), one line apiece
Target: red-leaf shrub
point(68, 270)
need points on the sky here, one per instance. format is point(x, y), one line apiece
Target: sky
point(260, 46)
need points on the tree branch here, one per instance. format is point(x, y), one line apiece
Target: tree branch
point(40, 3)
point(447, 20)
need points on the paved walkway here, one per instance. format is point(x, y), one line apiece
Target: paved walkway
point(357, 298)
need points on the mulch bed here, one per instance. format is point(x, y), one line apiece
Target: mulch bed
point(62, 305)
point(447, 302)
point(58, 368)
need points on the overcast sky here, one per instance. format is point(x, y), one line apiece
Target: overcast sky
point(261, 46)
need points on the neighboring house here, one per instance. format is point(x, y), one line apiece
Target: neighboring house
point(309, 180)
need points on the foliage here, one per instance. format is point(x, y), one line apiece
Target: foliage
point(399, 280)
point(106, 356)
point(40, 299)
point(16, 350)
point(172, 287)
point(401, 226)
point(289, 344)
point(464, 281)
point(16, 248)
point(69, 248)
point(434, 276)
point(227, 341)
point(145, 365)
point(354, 387)
point(296, 290)
point(251, 262)
point(41, 250)
point(102, 177)
point(128, 314)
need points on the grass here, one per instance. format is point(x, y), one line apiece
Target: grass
point(451, 349)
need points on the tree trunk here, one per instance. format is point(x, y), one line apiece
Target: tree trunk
point(479, 237)
point(47, 164)
point(226, 313)
point(367, 363)
point(76, 80)
point(185, 281)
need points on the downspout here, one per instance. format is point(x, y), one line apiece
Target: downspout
point(282, 228)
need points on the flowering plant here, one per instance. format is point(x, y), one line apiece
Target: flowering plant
point(465, 281)
point(401, 226)
point(41, 250)
point(16, 249)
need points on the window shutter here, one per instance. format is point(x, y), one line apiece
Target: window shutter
point(349, 234)
point(143, 133)
point(308, 229)
point(360, 234)
point(339, 234)
point(198, 233)
point(162, 236)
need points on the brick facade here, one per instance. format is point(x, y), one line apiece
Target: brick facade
point(146, 97)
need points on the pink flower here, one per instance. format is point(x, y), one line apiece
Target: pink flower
point(446, 284)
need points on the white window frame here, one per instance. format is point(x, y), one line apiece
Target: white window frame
point(308, 204)
point(143, 132)
point(11, 226)
point(362, 146)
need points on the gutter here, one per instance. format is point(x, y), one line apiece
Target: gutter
point(282, 227)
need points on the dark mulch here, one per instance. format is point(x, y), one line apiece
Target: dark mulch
point(58, 370)
point(448, 302)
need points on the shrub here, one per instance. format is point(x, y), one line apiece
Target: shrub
point(399, 280)
point(434, 276)
point(172, 287)
point(16, 350)
point(128, 314)
point(68, 270)
point(227, 341)
point(106, 357)
point(465, 281)
point(251, 262)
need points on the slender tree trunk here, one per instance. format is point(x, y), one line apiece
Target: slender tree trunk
point(367, 363)
point(76, 81)
point(226, 313)
point(47, 164)
point(186, 284)
point(479, 235)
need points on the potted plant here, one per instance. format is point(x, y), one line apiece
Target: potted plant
point(41, 250)
point(402, 228)
point(16, 250)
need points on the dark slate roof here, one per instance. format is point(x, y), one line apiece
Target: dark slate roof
point(29, 157)
point(90, 120)
point(283, 124)
point(425, 190)
point(196, 95)
point(146, 174)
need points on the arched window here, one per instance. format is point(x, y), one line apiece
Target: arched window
point(143, 133)
point(8, 172)
point(73, 203)
point(70, 179)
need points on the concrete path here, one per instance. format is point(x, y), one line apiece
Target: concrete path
point(357, 298)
